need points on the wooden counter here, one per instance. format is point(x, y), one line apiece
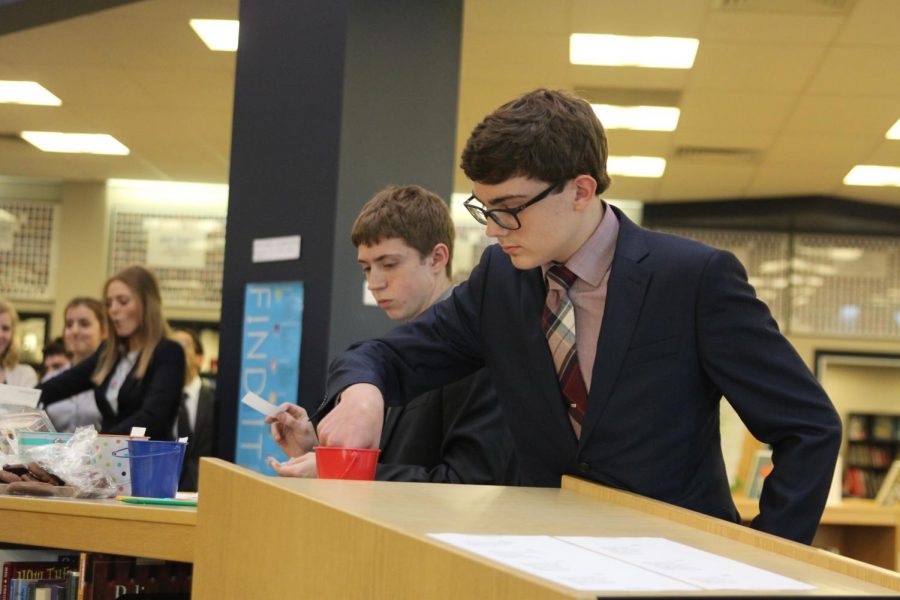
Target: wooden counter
point(266, 537)
point(99, 526)
point(856, 528)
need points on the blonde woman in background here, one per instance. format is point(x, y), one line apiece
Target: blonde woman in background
point(137, 373)
point(84, 331)
point(12, 372)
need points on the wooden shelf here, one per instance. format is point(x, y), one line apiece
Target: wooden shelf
point(99, 526)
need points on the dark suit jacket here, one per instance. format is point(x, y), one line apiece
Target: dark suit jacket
point(681, 328)
point(150, 402)
point(202, 437)
point(454, 434)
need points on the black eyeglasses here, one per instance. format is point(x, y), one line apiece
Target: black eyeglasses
point(507, 218)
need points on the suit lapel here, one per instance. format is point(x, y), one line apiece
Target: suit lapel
point(626, 288)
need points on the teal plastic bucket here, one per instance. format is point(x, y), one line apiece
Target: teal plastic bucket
point(155, 467)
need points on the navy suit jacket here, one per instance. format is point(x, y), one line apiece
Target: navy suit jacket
point(682, 327)
point(202, 439)
point(454, 434)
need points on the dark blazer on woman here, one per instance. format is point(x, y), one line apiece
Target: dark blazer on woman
point(150, 402)
point(682, 327)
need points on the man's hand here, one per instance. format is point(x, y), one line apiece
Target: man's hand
point(299, 466)
point(356, 421)
point(292, 430)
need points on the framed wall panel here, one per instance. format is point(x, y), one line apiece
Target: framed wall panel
point(28, 248)
point(185, 251)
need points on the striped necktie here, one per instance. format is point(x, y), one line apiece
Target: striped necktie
point(558, 323)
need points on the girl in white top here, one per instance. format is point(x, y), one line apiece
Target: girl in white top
point(84, 331)
point(12, 372)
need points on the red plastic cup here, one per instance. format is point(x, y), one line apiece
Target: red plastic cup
point(346, 463)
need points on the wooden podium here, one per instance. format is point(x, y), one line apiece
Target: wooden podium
point(266, 537)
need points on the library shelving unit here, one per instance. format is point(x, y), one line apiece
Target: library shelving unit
point(873, 442)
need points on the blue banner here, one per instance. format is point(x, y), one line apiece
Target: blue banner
point(270, 364)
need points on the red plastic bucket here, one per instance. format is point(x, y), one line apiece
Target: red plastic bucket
point(346, 463)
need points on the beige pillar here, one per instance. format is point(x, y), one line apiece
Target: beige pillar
point(83, 245)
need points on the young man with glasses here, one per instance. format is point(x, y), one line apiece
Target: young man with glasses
point(610, 345)
point(454, 434)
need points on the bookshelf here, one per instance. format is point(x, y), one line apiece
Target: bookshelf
point(873, 442)
point(865, 389)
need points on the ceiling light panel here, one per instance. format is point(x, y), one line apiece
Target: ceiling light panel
point(27, 92)
point(75, 143)
point(631, 51)
point(894, 132)
point(645, 118)
point(636, 166)
point(218, 34)
point(875, 175)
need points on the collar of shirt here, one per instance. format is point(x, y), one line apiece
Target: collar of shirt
point(594, 258)
point(193, 388)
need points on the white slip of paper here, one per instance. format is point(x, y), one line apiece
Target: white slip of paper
point(19, 396)
point(260, 405)
point(620, 564)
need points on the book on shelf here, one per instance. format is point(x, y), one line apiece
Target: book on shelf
point(872, 445)
point(889, 490)
point(21, 578)
point(113, 577)
point(883, 428)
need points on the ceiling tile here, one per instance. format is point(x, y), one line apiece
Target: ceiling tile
point(632, 188)
point(866, 115)
point(733, 110)
point(769, 28)
point(677, 19)
point(752, 67)
point(687, 181)
point(858, 71)
point(872, 22)
point(827, 149)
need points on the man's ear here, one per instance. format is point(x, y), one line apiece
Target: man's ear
point(440, 256)
point(585, 191)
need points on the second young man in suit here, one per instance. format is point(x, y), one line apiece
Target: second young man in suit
point(610, 345)
point(196, 414)
point(452, 434)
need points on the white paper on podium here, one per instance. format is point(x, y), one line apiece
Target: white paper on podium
point(19, 396)
point(704, 569)
point(620, 564)
point(563, 563)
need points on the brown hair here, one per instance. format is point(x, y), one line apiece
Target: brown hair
point(548, 135)
point(10, 357)
point(418, 217)
point(152, 329)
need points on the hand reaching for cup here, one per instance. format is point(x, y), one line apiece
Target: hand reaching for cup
point(293, 432)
